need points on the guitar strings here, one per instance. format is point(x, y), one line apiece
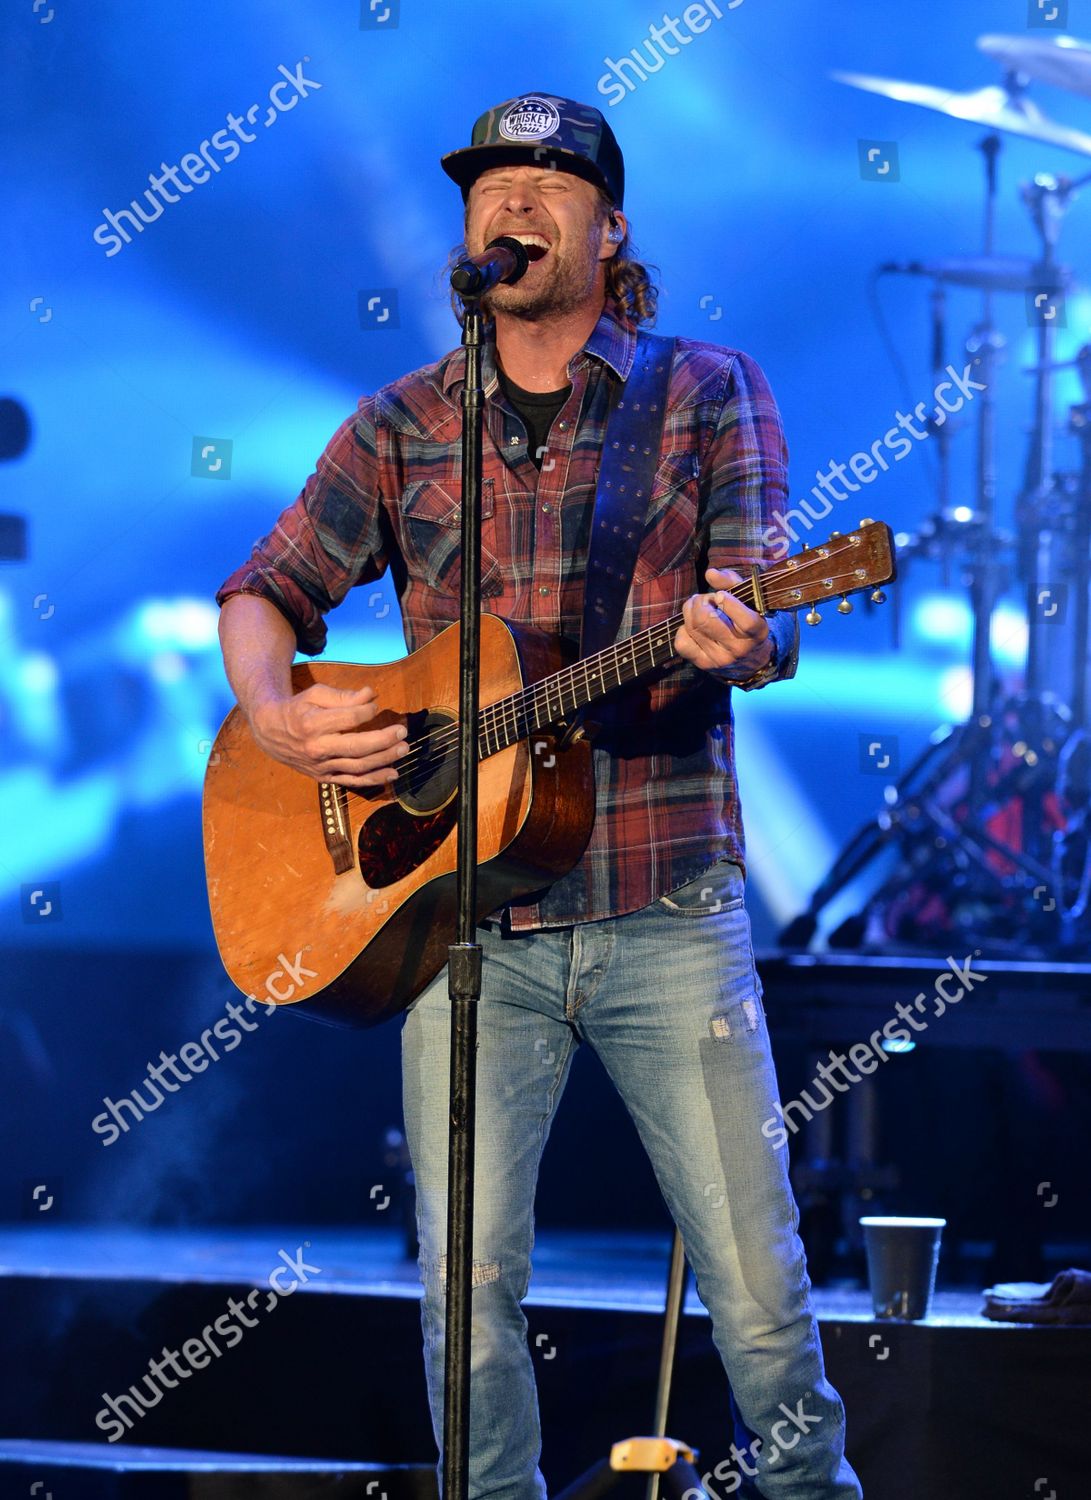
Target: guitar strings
point(507, 711)
point(516, 710)
point(438, 742)
point(538, 695)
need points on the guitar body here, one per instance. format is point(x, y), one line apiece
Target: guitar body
point(342, 902)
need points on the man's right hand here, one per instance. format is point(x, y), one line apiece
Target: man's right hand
point(318, 732)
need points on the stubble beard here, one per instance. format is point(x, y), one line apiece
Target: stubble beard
point(566, 287)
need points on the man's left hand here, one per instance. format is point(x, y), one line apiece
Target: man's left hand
point(721, 634)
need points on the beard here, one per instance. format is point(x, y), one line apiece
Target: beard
point(564, 284)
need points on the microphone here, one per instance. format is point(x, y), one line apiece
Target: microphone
point(502, 260)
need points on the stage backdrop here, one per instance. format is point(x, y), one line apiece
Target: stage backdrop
point(182, 375)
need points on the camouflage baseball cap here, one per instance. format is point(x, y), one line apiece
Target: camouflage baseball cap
point(541, 130)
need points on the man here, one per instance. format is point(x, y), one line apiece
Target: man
point(643, 950)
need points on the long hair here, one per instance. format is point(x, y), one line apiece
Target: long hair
point(630, 282)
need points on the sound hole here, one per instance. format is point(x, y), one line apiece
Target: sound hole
point(430, 773)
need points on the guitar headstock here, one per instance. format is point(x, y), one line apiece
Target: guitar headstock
point(842, 565)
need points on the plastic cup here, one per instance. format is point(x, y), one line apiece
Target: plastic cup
point(902, 1255)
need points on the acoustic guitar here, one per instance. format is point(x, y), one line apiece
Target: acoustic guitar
point(341, 902)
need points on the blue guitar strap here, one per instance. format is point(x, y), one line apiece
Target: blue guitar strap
point(630, 456)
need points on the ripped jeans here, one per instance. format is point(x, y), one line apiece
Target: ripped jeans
point(669, 999)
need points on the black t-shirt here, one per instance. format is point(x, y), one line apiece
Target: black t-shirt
point(538, 410)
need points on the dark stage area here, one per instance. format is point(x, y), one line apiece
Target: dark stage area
point(293, 1124)
point(953, 1127)
point(340, 1375)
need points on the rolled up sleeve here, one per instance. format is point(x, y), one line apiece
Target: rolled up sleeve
point(330, 539)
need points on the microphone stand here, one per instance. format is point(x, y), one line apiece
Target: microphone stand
point(464, 954)
point(470, 279)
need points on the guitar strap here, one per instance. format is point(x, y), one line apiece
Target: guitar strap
point(630, 456)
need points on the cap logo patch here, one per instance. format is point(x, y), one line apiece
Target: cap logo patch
point(529, 119)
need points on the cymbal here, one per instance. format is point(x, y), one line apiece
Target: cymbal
point(989, 273)
point(1062, 61)
point(995, 107)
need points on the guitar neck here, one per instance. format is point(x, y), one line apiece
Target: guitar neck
point(842, 565)
point(557, 697)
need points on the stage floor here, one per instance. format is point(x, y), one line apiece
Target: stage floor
point(337, 1374)
point(601, 1271)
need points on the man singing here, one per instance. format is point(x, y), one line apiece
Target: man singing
point(643, 950)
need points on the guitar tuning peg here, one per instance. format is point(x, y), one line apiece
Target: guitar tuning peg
point(834, 534)
point(867, 521)
point(812, 616)
point(844, 608)
point(878, 597)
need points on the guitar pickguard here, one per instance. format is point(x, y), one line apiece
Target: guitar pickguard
point(392, 843)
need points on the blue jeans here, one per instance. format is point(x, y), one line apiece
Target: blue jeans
point(670, 1001)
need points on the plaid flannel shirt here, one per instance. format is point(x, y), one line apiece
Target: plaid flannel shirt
point(386, 493)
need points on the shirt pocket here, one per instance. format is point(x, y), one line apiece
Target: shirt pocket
point(431, 540)
point(670, 531)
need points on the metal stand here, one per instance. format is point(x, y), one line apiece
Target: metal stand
point(835, 1181)
point(665, 1460)
point(990, 822)
point(984, 348)
point(464, 962)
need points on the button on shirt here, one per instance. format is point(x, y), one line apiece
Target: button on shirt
point(538, 411)
point(386, 493)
